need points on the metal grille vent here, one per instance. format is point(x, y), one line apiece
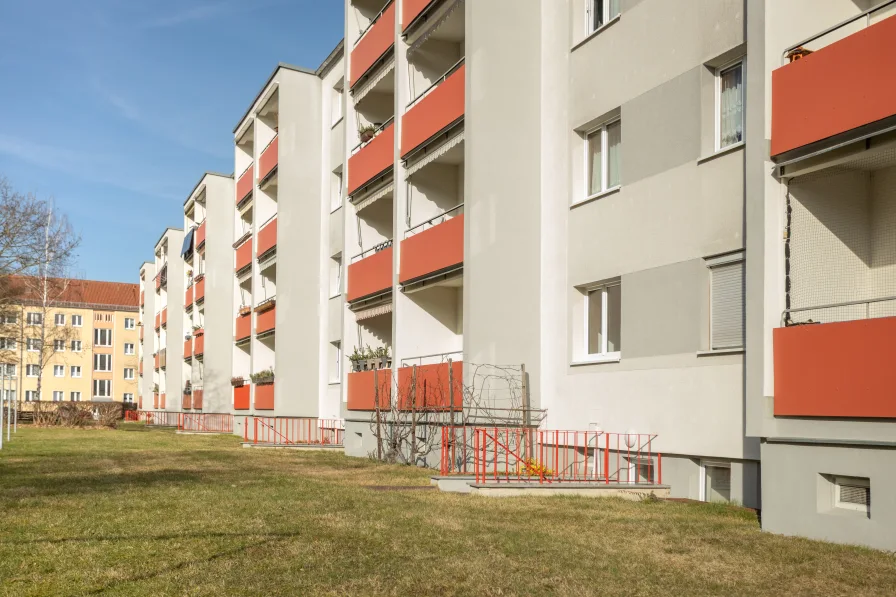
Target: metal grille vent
point(855, 494)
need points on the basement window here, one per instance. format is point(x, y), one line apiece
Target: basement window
point(853, 493)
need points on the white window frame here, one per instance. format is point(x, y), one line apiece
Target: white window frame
point(30, 316)
point(131, 345)
point(32, 367)
point(98, 333)
point(58, 396)
point(702, 485)
point(336, 102)
point(132, 321)
point(742, 63)
point(603, 355)
point(591, 8)
point(601, 129)
point(56, 319)
point(129, 373)
point(57, 369)
point(58, 345)
point(101, 382)
point(97, 358)
point(77, 321)
point(7, 343)
point(78, 345)
point(31, 396)
point(75, 371)
point(128, 397)
point(74, 396)
point(857, 481)
point(712, 264)
point(32, 344)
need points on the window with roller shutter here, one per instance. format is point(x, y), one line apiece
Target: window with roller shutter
point(727, 302)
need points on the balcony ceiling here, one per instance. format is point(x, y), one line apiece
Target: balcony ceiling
point(247, 136)
point(272, 106)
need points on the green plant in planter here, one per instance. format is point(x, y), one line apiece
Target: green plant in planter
point(382, 355)
point(367, 132)
point(237, 381)
point(356, 357)
point(263, 377)
point(155, 388)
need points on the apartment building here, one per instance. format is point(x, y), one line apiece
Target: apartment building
point(663, 230)
point(146, 340)
point(169, 284)
point(79, 345)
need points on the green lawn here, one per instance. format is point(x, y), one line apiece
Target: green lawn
point(148, 512)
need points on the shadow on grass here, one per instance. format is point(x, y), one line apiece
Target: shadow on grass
point(38, 486)
point(268, 536)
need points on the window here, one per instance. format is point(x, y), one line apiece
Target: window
point(77, 321)
point(715, 482)
point(603, 318)
point(10, 396)
point(337, 103)
point(335, 276)
point(336, 191)
point(102, 388)
point(58, 370)
point(32, 370)
point(853, 493)
point(33, 344)
point(59, 319)
point(604, 158)
point(58, 396)
point(75, 396)
point(129, 323)
point(76, 346)
point(128, 348)
point(31, 396)
point(59, 345)
point(7, 343)
point(730, 105)
point(129, 373)
point(128, 397)
point(34, 319)
point(9, 319)
point(727, 302)
point(102, 337)
point(75, 371)
point(599, 13)
point(102, 362)
point(9, 369)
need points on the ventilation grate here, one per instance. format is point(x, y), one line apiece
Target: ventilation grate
point(855, 494)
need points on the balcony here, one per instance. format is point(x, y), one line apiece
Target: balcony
point(187, 401)
point(199, 343)
point(162, 400)
point(163, 358)
point(433, 390)
point(188, 297)
point(266, 318)
point(158, 280)
point(842, 369)
point(155, 359)
point(197, 398)
point(155, 400)
point(372, 159)
point(435, 110)
point(411, 9)
point(188, 349)
point(434, 249)
point(243, 327)
point(199, 289)
point(836, 88)
point(371, 275)
point(158, 320)
point(269, 158)
point(373, 44)
point(200, 235)
point(264, 396)
point(361, 389)
point(241, 397)
point(267, 238)
point(245, 184)
point(165, 317)
point(243, 255)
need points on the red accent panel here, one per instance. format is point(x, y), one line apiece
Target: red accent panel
point(199, 343)
point(199, 289)
point(158, 320)
point(441, 107)
point(836, 369)
point(376, 42)
point(432, 387)
point(361, 391)
point(267, 237)
point(371, 160)
point(243, 255)
point(200, 234)
point(269, 158)
point(142, 298)
point(241, 397)
point(370, 275)
point(188, 297)
point(188, 348)
point(245, 184)
point(243, 326)
point(161, 400)
point(410, 9)
point(264, 397)
point(155, 400)
point(165, 316)
point(842, 86)
point(197, 399)
point(433, 249)
point(187, 401)
point(265, 321)
point(156, 361)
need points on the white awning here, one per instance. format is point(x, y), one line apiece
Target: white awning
point(375, 78)
point(378, 194)
point(373, 311)
point(435, 25)
point(433, 155)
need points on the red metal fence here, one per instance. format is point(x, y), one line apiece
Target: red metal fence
point(159, 418)
point(131, 415)
point(287, 431)
point(501, 455)
point(205, 422)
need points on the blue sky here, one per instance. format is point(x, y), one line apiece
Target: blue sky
point(115, 108)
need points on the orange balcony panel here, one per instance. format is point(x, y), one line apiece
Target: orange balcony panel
point(844, 85)
point(243, 255)
point(267, 237)
point(269, 158)
point(245, 183)
point(370, 275)
point(371, 160)
point(444, 105)
point(410, 9)
point(165, 316)
point(188, 348)
point(264, 322)
point(362, 390)
point(142, 298)
point(264, 396)
point(241, 397)
point(432, 250)
point(161, 400)
point(432, 388)
point(187, 401)
point(156, 361)
point(200, 234)
point(158, 320)
point(836, 369)
point(199, 343)
point(376, 42)
point(188, 297)
point(197, 399)
point(243, 326)
point(139, 402)
point(141, 332)
point(199, 290)
point(155, 400)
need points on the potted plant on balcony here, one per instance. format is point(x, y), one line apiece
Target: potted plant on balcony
point(237, 381)
point(187, 337)
point(264, 377)
point(188, 388)
point(370, 358)
point(356, 358)
point(266, 305)
point(155, 388)
point(385, 361)
point(244, 310)
point(367, 132)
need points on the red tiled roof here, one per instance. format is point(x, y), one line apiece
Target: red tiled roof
point(86, 292)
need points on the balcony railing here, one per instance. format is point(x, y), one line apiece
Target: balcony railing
point(437, 108)
point(241, 395)
point(411, 9)
point(432, 387)
point(294, 431)
point(197, 397)
point(188, 297)
point(269, 159)
point(433, 246)
point(267, 237)
point(361, 390)
point(370, 272)
point(245, 183)
point(188, 349)
point(199, 342)
point(199, 289)
point(264, 396)
point(373, 43)
point(372, 159)
point(265, 321)
point(243, 255)
point(200, 235)
point(243, 327)
point(842, 69)
point(164, 319)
